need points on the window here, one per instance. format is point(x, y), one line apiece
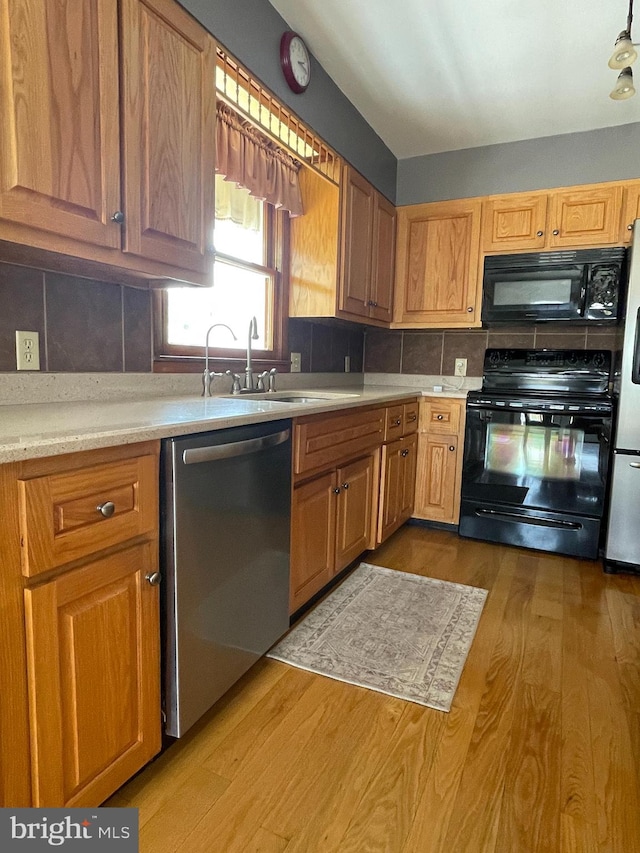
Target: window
point(246, 283)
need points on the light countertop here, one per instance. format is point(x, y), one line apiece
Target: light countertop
point(31, 430)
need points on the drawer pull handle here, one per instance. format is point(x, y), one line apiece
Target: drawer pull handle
point(106, 509)
point(154, 578)
point(412, 417)
point(440, 417)
point(397, 422)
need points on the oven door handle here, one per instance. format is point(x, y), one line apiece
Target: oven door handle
point(504, 515)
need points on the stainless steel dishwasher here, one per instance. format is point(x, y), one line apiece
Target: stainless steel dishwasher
point(225, 553)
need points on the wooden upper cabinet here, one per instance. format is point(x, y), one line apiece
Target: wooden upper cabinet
point(631, 210)
point(60, 132)
point(515, 221)
point(168, 66)
point(383, 259)
point(357, 237)
point(585, 216)
point(437, 262)
point(342, 250)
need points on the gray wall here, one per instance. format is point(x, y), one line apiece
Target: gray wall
point(608, 154)
point(251, 31)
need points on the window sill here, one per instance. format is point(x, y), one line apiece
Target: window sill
point(195, 364)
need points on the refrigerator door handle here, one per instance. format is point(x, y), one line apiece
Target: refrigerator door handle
point(635, 364)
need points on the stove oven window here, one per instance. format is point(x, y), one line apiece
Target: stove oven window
point(530, 450)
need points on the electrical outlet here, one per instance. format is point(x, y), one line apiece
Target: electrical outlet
point(460, 368)
point(296, 362)
point(27, 350)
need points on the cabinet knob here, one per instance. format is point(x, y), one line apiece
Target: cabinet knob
point(630, 226)
point(452, 447)
point(345, 485)
point(539, 233)
point(439, 417)
point(412, 417)
point(375, 304)
point(118, 217)
point(336, 491)
point(556, 232)
point(397, 422)
point(470, 309)
point(154, 578)
point(106, 509)
point(404, 453)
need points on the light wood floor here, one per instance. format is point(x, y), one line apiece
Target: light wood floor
point(540, 752)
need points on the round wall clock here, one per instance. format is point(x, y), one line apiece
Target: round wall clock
point(295, 62)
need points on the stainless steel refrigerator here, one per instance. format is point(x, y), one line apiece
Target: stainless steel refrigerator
point(622, 550)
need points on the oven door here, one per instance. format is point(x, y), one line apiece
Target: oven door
point(535, 478)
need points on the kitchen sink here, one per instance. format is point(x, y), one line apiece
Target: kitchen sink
point(300, 397)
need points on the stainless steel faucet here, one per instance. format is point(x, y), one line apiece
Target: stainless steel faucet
point(248, 371)
point(208, 375)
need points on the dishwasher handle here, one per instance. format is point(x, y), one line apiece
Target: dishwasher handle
point(213, 452)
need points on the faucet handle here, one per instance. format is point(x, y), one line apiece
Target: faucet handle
point(272, 379)
point(206, 383)
point(261, 377)
point(236, 388)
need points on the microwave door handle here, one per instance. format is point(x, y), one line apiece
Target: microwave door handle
point(635, 363)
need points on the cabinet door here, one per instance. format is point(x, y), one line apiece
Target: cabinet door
point(391, 490)
point(436, 480)
point(383, 259)
point(313, 525)
point(355, 516)
point(409, 455)
point(94, 678)
point(357, 238)
point(437, 261)
point(631, 211)
point(168, 63)
point(60, 134)
point(585, 217)
point(515, 221)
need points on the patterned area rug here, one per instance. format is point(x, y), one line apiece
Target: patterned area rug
point(401, 634)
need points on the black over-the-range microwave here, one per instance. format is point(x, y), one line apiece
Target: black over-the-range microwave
point(584, 286)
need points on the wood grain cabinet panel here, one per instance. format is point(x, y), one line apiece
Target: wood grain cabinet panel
point(631, 210)
point(313, 526)
point(168, 63)
point(72, 514)
point(354, 527)
point(107, 138)
point(60, 131)
point(516, 221)
point(93, 639)
point(342, 250)
point(437, 257)
point(320, 441)
point(397, 485)
point(439, 460)
point(585, 216)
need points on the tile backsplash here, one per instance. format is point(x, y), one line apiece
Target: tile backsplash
point(84, 325)
point(93, 326)
point(434, 352)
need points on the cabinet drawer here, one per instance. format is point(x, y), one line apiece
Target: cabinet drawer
point(393, 423)
point(322, 441)
point(440, 416)
point(68, 515)
point(410, 413)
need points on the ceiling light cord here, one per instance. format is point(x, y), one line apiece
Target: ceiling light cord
point(623, 56)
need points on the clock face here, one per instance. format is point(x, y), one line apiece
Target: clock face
point(295, 61)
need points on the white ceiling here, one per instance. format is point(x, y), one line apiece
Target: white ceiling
point(436, 75)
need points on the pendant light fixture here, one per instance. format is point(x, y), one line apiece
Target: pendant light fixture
point(624, 54)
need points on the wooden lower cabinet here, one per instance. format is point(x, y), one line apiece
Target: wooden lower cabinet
point(332, 522)
point(439, 460)
point(93, 638)
point(397, 485)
